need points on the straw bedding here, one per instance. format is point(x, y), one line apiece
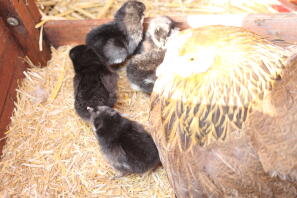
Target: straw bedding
point(50, 151)
point(92, 9)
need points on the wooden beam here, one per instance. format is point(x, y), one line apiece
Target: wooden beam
point(274, 26)
point(283, 26)
point(27, 15)
point(7, 67)
point(69, 32)
point(12, 66)
point(289, 5)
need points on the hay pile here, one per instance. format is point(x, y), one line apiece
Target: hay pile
point(51, 152)
point(92, 9)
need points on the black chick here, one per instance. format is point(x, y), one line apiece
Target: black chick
point(125, 143)
point(141, 68)
point(94, 84)
point(117, 40)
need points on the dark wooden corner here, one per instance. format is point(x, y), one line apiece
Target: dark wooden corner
point(18, 38)
point(21, 17)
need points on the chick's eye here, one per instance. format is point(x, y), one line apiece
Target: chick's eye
point(192, 59)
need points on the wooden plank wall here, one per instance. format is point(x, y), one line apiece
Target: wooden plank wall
point(281, 26)
point(16, 42)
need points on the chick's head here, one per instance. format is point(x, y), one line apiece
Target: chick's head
point(131, 11)
point(82, 57)
point(159, 30)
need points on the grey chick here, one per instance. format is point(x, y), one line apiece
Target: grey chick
point(141, 68)
point(94, 84)
point(118, 39)
point(125, 143)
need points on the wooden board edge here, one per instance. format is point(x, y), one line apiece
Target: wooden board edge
point(281, 26)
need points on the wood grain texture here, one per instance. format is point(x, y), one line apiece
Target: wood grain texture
point(289, 5)
point(11, 70)
point(33, 9)
point(282, 26)
point(25, 33)
point(4, 37)
point(69, 32)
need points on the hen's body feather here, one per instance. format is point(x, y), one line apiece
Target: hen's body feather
point(210, 138)
point(243, 69)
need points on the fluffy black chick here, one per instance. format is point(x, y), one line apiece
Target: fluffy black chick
point(118, 39)
point(94, 83)
point(125, 143)
point(141, 68)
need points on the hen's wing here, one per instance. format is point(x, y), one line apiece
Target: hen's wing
point(273, 128)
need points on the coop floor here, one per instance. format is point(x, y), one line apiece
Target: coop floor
point(51, 152)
